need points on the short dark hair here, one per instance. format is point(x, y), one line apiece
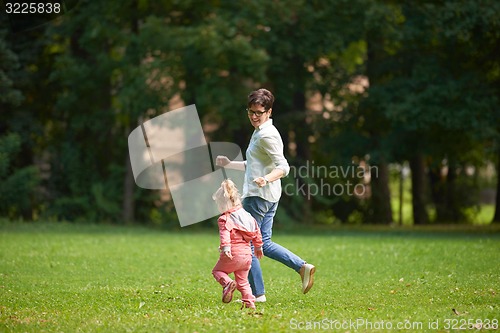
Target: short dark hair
point(262, 97)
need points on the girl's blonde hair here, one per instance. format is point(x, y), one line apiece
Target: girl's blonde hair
point(227, 196)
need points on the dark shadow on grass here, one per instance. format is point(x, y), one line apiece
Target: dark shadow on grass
point(208, 227)
point(431, 231)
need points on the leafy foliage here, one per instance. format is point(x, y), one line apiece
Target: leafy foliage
point(18, 185)
point(375, 82)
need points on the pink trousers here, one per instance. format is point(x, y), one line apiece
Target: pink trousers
point(239, 265)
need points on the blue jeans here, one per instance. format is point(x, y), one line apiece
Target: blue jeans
point(263, 212)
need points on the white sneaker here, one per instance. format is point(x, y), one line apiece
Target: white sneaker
point(260, 299)
point(307, 275)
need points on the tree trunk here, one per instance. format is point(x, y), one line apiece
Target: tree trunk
point(418, 181)
point(303, 151)
point(128, 193)
point(444, 196)
point(496, 218)
point(128, 209)
point(381, 194)
point(452, 209)
point(377, 125)
point(401, 194)
point(437, 192)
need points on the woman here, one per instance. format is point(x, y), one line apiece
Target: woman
point(264, 167)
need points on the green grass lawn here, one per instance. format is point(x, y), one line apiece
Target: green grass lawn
point(74, 278)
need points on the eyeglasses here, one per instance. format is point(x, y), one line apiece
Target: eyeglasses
point(256, 113)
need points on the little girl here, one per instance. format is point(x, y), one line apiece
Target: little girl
point(236, 228)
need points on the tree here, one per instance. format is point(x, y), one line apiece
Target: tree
point(103, 91)
point(443, 96)
point(130, 62)
point(18, 183)
point(369, 133)
point(91, 77)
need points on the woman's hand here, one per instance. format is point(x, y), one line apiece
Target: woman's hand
point(222, 161)
point(260, 181)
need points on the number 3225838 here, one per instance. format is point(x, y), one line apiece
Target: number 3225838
point(470, 324)
point(32, 8)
